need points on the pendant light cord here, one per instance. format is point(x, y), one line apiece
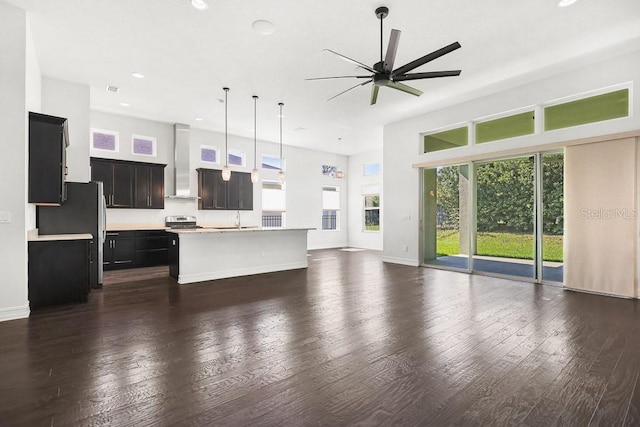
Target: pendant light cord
point(226, 142)
point(255, 130)
point(280, 104)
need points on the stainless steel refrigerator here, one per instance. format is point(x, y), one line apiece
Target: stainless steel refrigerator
point(84, 211)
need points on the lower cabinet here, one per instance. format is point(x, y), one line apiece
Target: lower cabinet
point(119, 250)
point(58, 272)
point(151, 248)
point(140, 248)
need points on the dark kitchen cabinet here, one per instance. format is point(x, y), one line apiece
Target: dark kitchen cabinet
point(151, 248)
point(130, 184)
point(119, 250)
point(58, 272)
point(240, 192)
point(149, 186)
point(117, 179)
point(48, 141)
point(212, 190)
point(216, 194)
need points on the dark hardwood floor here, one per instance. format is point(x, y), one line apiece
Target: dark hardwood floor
point(348, 341)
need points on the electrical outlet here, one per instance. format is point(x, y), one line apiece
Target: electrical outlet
point(5, 217)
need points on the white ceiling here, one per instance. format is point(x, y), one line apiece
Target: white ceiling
point(188, 55)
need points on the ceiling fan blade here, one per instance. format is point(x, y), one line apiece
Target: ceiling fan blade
point(427, 58)
point(339, 77)
point(427, 75)
point(401, 86)
point(345, 91)
point(374, 93)
point(353, 61)
point(392, 48)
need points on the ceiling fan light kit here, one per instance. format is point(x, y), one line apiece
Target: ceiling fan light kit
point(384, 75)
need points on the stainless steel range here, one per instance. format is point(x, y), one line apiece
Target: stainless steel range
point(181, 221)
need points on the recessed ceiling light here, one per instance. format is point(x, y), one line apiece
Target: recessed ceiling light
point(263, 27)
point(565, 3)
point(124, 104)
point(199, 4)
point(113, 89)
point(198, 119)
point(138, 75)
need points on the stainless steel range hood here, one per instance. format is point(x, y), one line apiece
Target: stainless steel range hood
point(182, 168)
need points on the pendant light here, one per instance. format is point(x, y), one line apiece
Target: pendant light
point(254, 172)
point(281, 173)
point(226, 172)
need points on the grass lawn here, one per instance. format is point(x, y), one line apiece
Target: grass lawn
point(507, 245)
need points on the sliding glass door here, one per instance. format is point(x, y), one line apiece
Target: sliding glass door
point(505, 210)
point(507, 213)
point(552, 216)
point(445, 220)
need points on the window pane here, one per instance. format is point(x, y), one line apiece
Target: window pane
point(451, 138)
point(272, 219)
point(209, 154)
point(144, 145)
point(273, 163)
point(236, 158)
point(588, 110)
point(372, 219)
point(372, 201)
point(329, 220)
point(331, 200)
point(505, 127)
point(371, 169)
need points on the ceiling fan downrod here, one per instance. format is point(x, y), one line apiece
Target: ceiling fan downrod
point(381, 13)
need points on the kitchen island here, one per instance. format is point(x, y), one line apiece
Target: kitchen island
point(197, 255)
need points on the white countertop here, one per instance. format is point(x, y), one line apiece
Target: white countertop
point(32, 237)
point(206, 230)
point(135, 226)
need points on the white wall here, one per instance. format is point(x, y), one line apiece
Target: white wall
point(401, 148)
point(358, 238)
point(71, 101)
point(304, 179)
point(17, 63)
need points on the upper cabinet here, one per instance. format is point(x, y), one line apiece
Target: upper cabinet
point(48, 141)
point(216, 194)
point(130, 184)
point(149, 186)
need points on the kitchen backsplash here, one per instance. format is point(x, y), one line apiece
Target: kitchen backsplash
point(180, 207)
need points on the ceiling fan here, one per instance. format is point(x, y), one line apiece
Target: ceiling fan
point(383, 72)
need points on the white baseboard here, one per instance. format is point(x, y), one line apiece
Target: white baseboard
point(403, 261)
point(331, 246)
point(602, 294)
point(203, 277)
point(12, 313)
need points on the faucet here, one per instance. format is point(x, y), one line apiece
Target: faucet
point(238, 219)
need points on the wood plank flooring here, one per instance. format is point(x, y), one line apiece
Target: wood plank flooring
point(348, 341)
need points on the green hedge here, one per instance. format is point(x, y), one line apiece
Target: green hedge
point(505, 195)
